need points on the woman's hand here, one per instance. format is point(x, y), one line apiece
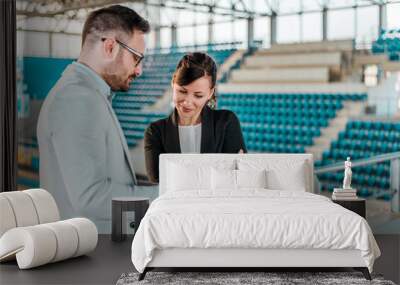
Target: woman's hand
point(240, 151)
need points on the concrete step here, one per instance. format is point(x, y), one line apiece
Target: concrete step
point(335, 126)
point(324, 46)
point(294, 88)
point(265, 75)
point(331, 60)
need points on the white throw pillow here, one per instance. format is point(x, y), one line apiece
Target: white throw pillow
point(251, 178)
point(226, 179)
point(282, 174)
point(223, 179)
point(189, 174)
point(183, 177)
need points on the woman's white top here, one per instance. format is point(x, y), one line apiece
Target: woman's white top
point(190, 138)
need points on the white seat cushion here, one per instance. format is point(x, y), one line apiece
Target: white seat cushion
point(7, 215)
point(45, 205)
point(87, 233)
point(31, 232)
point(40, 244)
point(23, 208)
point(67, 237)
point(27, 208)
point(32, 246)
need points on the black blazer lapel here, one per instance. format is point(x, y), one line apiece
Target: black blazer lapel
point(208, 143)
point(172, 144)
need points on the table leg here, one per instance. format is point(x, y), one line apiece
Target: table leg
point(116, 227)
point(140, 211)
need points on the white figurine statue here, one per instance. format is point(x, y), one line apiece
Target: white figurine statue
point(347, 174)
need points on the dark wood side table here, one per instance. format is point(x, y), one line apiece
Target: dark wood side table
point(139, 205)
point(357, 206)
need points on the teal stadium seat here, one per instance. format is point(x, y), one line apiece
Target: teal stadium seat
point(362, 139)
point(274, 122)
point(388, 42)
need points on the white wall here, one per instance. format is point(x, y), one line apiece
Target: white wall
point(65, 45)
point(33, 44)
point(46, 44)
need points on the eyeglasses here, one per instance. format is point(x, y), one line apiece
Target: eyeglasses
point(138, 56)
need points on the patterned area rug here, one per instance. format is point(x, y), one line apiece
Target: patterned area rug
point(242, 278)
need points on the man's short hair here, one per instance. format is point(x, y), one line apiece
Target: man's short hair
point(114, 18)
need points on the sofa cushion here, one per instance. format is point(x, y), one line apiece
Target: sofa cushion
point(40, 244)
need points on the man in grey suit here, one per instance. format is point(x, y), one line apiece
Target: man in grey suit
point(84, 157)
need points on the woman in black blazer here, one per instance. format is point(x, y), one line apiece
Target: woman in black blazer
point(194, 125)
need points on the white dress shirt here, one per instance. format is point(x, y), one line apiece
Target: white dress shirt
point(190, 138)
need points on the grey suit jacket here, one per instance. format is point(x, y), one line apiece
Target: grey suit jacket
point(84, 157)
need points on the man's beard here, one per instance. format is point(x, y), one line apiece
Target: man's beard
point(116, 80)
point(117, 83)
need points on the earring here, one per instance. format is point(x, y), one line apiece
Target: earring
point(212, 103)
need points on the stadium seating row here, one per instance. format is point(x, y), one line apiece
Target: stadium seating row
point(362, 139)
point(388, 42)
point(275, 123)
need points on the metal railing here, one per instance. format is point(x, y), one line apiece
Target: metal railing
point(394, 159)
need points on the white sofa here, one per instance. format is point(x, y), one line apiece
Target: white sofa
point(31, 231)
